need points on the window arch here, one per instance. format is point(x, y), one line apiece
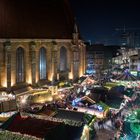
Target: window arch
point(42, 64)
point(76, 63)
point(63, 59)
point(20, 65)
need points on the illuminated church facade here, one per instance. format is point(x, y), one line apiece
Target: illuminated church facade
point(40, 42)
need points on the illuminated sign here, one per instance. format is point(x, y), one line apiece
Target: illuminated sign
point(135, 73)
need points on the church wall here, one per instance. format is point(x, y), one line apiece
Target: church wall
point(52, 56)
point(2, 66)
point(82, 59)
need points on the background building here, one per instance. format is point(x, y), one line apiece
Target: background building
point(99, 57)
point(39, 40)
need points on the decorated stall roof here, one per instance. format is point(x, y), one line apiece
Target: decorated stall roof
point(40, 128)
point(85, 79)
point(127, 79)
point(132, 126)
point(126, 76)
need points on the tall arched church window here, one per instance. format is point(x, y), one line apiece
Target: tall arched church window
point(20, 65)
point(76, 61)
point(42, 64)
point(63, 59)
point(76, 56)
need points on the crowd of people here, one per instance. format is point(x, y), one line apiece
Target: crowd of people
point(117, 118)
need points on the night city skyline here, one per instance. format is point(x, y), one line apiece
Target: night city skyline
point(98, 20)
point(70, 70)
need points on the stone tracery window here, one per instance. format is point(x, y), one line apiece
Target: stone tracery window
point(63, 59)
point(76, 62)
point(20, 65)
point(76, 56)
point(42, 64)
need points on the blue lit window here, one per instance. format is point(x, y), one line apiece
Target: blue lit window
point(42, 64)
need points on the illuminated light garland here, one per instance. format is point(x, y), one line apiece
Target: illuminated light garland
point(8, 135)
point(49, 118)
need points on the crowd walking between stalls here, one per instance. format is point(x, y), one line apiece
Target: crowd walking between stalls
point(115, 120)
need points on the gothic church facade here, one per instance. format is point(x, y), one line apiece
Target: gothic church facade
point(39, 40)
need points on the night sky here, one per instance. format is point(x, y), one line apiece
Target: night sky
point(98, 19)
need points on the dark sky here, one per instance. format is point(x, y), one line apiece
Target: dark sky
point(98, 19)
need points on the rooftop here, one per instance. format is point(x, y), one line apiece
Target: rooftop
point(51, 19)
point(42, 128)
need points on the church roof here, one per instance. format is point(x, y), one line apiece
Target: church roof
point(51, 19)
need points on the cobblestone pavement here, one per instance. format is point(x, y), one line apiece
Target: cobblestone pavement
point(104, 134)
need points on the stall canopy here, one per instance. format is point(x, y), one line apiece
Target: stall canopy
point(85, 80)
point(126, 76)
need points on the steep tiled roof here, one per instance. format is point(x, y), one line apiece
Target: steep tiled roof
point(52, 19)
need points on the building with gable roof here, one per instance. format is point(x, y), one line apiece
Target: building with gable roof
point(39, 41)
